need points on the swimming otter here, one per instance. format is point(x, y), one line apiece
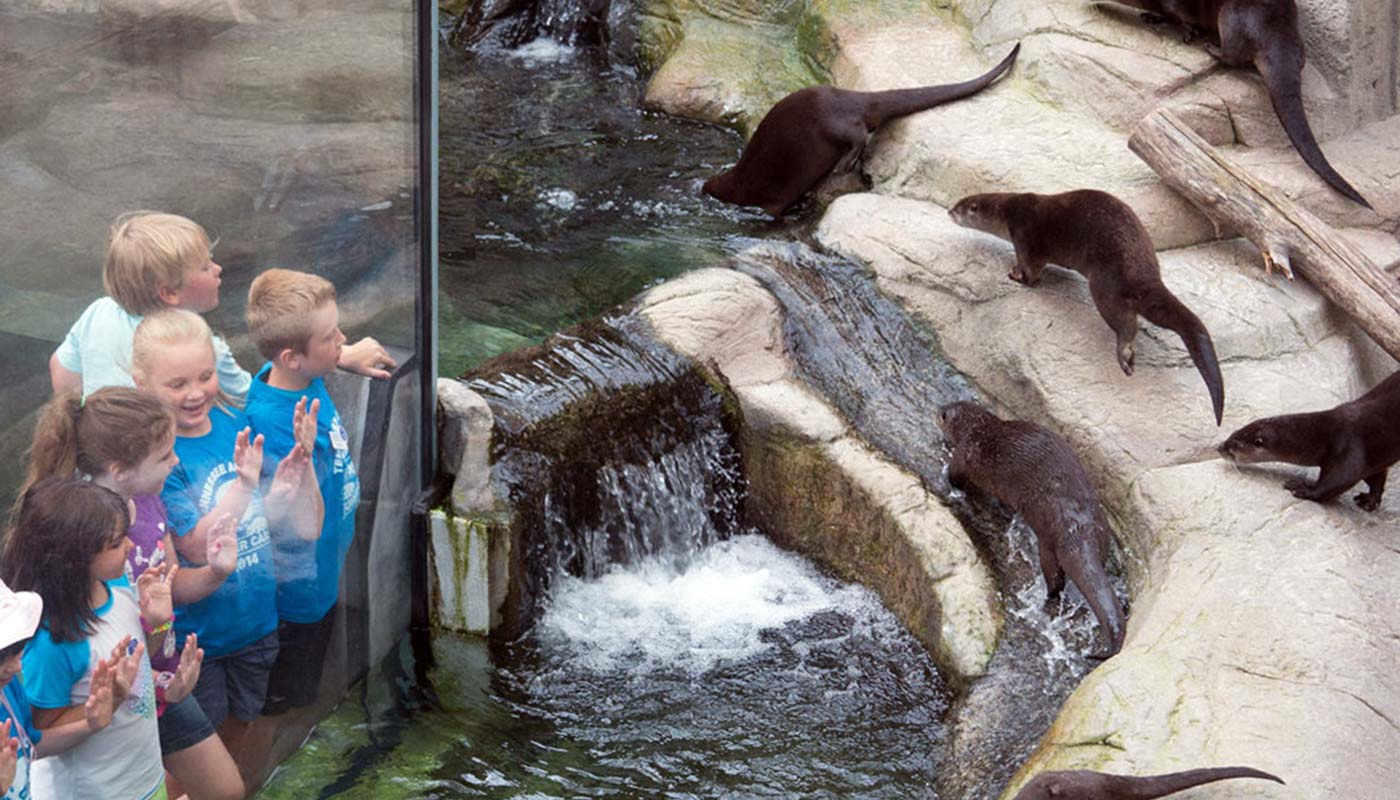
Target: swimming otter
point(1099, 236)
point(1263, 33)
point(1352, 442)
point(1036, 473)
point(819, 130)
point(1087, 785)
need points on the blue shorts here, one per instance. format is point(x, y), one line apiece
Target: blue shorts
point(236, 684)
point(183, 725)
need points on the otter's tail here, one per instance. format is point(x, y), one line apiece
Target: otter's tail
point(1085, 568)
point(1150, 787)
point(887, 105)
point(1176, 317)
point(1281, 66)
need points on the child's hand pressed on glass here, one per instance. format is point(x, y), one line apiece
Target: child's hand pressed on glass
point(154, 590)
point(186, 673)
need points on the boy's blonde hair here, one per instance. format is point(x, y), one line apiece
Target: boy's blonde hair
point(280, 304)
point(165, 327)
point(148, 251)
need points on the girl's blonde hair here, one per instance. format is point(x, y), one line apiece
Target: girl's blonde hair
point(166, 327)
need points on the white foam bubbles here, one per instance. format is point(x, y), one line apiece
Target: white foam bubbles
point(653, 616)
point(543, 50)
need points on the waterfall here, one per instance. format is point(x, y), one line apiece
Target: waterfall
point(613, 450)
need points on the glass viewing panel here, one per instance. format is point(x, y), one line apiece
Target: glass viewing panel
point(288, 129)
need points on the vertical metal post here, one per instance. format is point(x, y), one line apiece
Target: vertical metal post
point(427, 305)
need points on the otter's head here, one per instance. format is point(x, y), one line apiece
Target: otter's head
point(1258, 441)
point(720, 186)
point(954, 419)
point(981, 212)
point(1068, 785)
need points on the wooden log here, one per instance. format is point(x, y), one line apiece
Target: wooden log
point(1286, 235)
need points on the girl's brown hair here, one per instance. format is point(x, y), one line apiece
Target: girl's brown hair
point(114, 425)
point(62, 525)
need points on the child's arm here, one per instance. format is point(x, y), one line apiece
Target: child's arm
point(294, 495)
point(62, 378)
point(67, 727)
point(220, 559)
point(247, 460)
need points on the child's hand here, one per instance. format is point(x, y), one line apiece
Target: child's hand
point(153, 589)
point(286, 482)
point(186, 673)
point(248, 458)
point(125, 668)
point(221, 546)
point(101, 703)
point(366, 357)
point(304, 424)
point(9, 757)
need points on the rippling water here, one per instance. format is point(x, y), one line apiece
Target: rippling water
point(560, 198)
point(745, 674)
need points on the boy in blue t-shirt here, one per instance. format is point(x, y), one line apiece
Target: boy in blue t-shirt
point(293, 319)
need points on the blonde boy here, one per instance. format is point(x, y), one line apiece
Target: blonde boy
point(294, 320)
point(156, 260)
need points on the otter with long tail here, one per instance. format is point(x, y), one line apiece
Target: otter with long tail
point(1263, 33)
point(819, 130)
point(1036, 473)
point(1099, 236)
point(1087, 785)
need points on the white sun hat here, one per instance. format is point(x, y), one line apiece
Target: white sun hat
point(19, 615)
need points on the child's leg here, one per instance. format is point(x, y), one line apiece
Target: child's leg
point(195, 759)
point(248, 671)
point(294, 684)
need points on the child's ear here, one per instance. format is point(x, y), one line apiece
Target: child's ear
point(169, 296)
point(287, 358)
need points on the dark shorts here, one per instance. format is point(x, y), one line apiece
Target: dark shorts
point(301, 657)
point(183, 725)
point(236, 684)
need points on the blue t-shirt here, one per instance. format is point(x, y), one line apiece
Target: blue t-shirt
point(22, 729)
point(244, 608)
point(308, 573)
point(98, 347)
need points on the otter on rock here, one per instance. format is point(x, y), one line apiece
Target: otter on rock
point(1036, 473)
point(1098, 236)
point(1088, 785)
point(1352, 442)
point(819, 130)
point(1263, 33)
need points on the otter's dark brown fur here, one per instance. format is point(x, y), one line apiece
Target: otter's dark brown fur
point(1263, 33)
point(819, 130)
point(1087, 785)
point(1036, 473)
point(1352, 442)
point(1099, 236)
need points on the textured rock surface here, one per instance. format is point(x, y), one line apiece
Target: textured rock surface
point(1252, 611)
point(1086, 74)
point(821, 490)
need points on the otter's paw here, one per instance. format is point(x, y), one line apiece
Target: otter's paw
point(1018, 277)
point(1368, 501)
point(1300, 488)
